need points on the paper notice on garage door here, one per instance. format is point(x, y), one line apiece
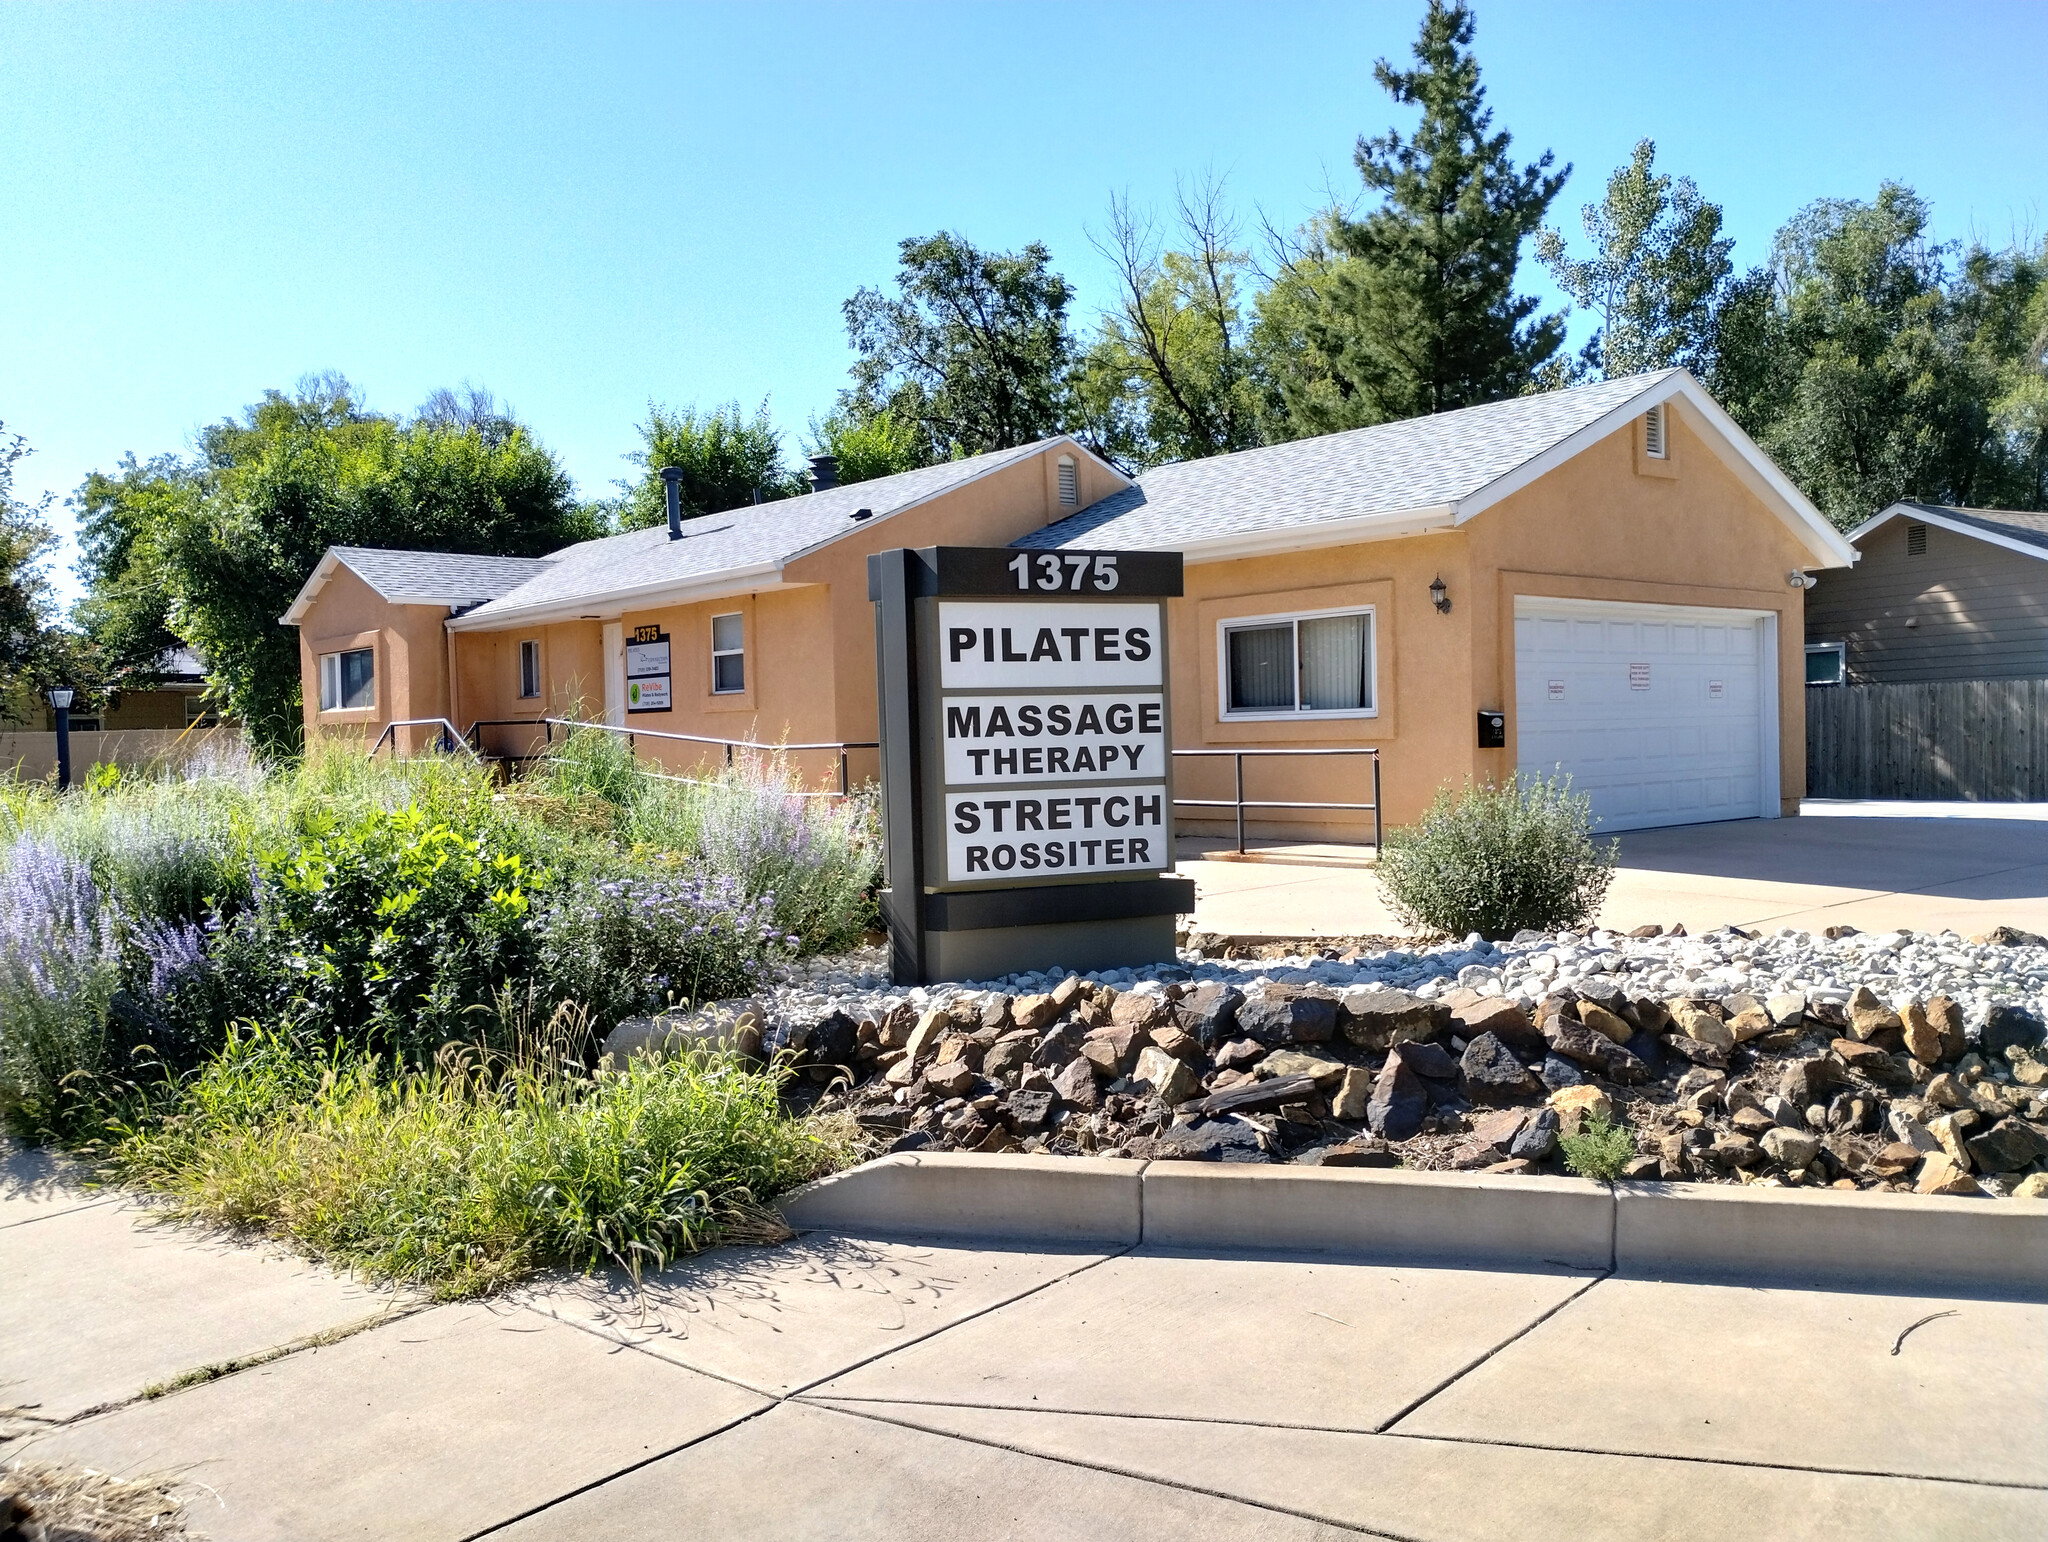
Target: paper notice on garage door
point(1639, 677)
point(1715, 690)
point(1557, 690)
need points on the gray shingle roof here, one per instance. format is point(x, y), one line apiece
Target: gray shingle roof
point(436, 577)
point(738, 538)
point(2015, 524)
point(1414, 464)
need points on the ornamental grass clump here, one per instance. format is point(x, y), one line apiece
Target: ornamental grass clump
point(1598, 1149)
point(461, 1176)
point(1497, 860)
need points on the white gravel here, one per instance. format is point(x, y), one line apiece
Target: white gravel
point(1895, 965)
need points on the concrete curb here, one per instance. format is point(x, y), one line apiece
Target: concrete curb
point(964, 1194)
point(1386, 1213)
point(1813, 1237)
point(1644, 1230)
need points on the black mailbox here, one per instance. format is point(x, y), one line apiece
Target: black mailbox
point(1493, 730)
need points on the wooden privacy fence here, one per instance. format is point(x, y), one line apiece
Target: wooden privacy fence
point(1984, 740)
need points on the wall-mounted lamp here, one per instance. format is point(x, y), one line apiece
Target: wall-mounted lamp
point(1798, 580)
point(1439, 596)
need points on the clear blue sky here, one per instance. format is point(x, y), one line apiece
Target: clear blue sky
point(587, 207)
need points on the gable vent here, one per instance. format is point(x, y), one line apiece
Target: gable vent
point(1653, 432)
point(1916, 540)
point(1070, 483)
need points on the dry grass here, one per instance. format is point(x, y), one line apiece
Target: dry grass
point(50, 1502)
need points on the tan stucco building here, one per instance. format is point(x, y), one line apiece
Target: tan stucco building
point(1614, 571)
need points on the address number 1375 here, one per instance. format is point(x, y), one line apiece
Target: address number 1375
point(1058, 571)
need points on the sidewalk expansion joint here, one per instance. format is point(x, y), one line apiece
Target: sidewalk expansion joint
point(1137, 1477)
point(1523, 1332)
point(1817, 1468)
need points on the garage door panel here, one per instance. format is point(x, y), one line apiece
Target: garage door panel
point(1652, 710)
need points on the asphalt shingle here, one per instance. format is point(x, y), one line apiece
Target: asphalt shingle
point(1391, 467)
point(738, 538)
point(450, 578)
point(2017, 524)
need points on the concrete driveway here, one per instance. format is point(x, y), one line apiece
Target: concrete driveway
point(1926, 867)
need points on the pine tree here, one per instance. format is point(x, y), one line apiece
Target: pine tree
point(1423, 316)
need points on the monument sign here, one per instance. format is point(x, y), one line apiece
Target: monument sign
point(1027, 769)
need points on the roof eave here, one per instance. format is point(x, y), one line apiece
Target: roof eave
point(1310, 537)
point(1933, 515)
point(668, 591)
point(310, 589)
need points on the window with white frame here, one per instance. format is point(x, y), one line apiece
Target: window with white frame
point(200, 713)
point(1653, 432)
point(1318, 662)
point(1070, 483)
point(348, 680)
point(1826, 663)
point(728, 654)
point(529, 670)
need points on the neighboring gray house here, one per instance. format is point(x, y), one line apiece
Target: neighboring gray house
point(1938, 594)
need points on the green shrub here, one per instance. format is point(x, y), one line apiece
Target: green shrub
point(628, 945)
point(1500, 859)
point(390, 934)
point(461, 1176)
point(1599, 1150)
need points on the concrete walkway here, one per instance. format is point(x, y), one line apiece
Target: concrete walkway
point(1872, 866)
point(837, 1387)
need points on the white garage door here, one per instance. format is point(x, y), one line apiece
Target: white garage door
point(1663, 715)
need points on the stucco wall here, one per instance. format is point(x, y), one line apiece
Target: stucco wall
point(1606, 525)
point(411, 668)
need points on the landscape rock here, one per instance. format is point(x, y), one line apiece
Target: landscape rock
point(1398, 1102)
point(1321, 1069)
point(1137, 1011)
point(1430, 1060)
point(1027, 1111)
point(1604, 1022)
point(1869, 1060)
point(1113, 1050)
point(1787, 1009)
point(1698, 1051)
point(1500, 1127)
point(1788, 1148)
point(1488, 1072)
point(1008, 1056)
point(1575, 1104)
point(1350, 1098)
point(2008, 1146)
point(1496, 1015)
point(1210, 1140)
point(1538, 1138)
point(1075, 1085)
point(1240, 1055)
point(1171, 1080)
point(2006, 1025)
point(1695, 1022)
point(1377, 1018)
point(1557, 1073)
point(2033, 1186)
point(1209, 1012)
point(1351, 1153)
point(1869, 1018)
point(1288, 1014)
point(950, 1080)
point(1946, 1018)
point(1034, 1012)
point(1941, 1174)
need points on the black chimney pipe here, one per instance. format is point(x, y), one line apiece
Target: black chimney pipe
point(824, 472)
point(672, 485)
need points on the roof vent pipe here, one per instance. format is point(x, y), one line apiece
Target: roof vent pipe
point(672, 487)
point(824, 472)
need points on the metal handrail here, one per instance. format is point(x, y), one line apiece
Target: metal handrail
point(1240, 803)
point(633, 734)
point(450, 736)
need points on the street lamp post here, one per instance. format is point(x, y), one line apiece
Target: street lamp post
point(60, 699)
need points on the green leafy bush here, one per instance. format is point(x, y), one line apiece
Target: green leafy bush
point(1499, 859)
point(463, 1175)
point(391, 934)
point(1599, 1150)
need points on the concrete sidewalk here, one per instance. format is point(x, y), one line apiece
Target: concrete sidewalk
point(837, 1387)
point(1875, 867)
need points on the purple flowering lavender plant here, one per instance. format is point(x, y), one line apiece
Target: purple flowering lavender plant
point(59, 966)
point(633, 944)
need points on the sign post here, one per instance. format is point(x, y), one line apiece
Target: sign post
point(1027, 768)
